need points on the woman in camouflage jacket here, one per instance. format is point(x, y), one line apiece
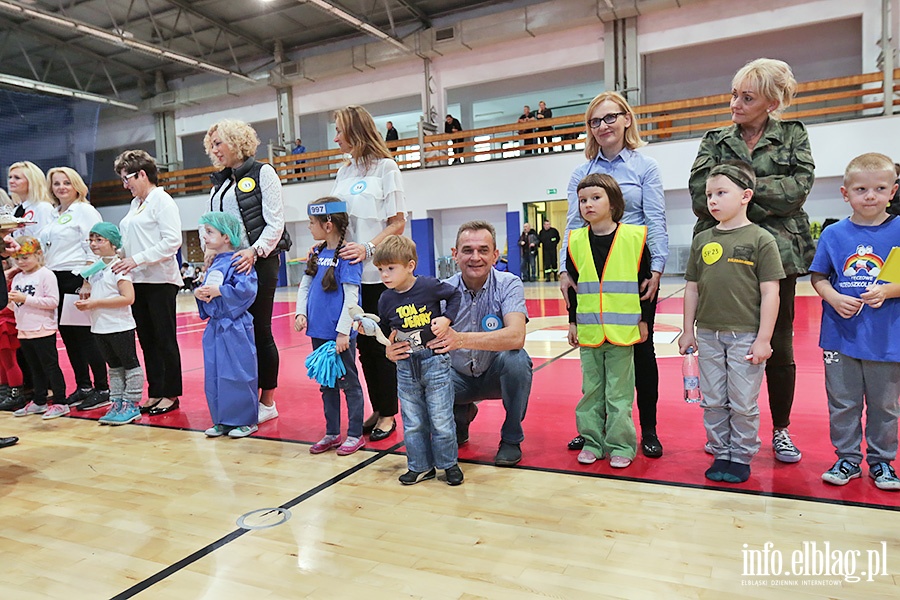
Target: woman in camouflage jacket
point(781, 158)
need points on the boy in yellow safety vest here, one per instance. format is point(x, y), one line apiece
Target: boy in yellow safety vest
point(607, 261)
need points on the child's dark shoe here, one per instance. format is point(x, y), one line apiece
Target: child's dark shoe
point(718, 469)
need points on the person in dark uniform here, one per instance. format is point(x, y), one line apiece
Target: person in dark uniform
point(549, 241)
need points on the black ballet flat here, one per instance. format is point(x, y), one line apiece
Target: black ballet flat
point(156, 410)
point(379, 434)
point(146, 408)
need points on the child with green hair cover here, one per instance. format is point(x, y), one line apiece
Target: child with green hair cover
point(229, 351)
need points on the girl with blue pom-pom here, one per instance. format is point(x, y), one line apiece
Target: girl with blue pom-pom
point(328, 289)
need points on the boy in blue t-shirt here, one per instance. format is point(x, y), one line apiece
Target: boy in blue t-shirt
point(860, 333)
point(411, 308)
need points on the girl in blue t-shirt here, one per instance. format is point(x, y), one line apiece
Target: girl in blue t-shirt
point(328, 289)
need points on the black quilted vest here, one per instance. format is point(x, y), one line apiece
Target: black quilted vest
point(250, 201)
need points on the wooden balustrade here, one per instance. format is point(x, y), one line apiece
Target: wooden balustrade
point(824, 100)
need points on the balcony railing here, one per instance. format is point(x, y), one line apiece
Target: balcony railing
point(836, 99)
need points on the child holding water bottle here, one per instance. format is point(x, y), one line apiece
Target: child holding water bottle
point(732, 294)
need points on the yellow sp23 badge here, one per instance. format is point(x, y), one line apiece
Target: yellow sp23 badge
point(246, 185)
point(711, 253)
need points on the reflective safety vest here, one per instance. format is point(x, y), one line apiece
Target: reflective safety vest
point(609, 308)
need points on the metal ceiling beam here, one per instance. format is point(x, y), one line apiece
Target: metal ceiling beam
point(119, 40)
point(188, 8)
point(8, 25)
point(359, 23)
point(58, 90)
point(424, 19)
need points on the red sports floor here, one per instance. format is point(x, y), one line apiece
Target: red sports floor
point(550, 421)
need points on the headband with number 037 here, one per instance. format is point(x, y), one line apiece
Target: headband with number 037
point(326, 208)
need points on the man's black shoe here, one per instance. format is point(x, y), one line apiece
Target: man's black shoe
point(10, 441)
point(576, 443)
point(650, 446)
point(508, 455)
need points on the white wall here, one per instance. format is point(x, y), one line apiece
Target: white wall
point(454, 194)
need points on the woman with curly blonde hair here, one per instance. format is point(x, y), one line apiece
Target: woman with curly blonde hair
point(370, 183)
point(66, 252)
point(251, 191)
point(28, 188)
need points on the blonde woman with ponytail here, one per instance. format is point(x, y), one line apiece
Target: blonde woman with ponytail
point(328, 289)
point(28, 188)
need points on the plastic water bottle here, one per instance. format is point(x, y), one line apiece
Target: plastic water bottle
point(690, 369)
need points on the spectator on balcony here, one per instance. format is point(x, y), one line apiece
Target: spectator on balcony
point(251, 191)
point(611, 147)
point(28, 188)
point(527, 117)
point(452, 125)
point(391, 134)
point(299, 148)
point(543, 113)
point(67, 251)
point(782, 160)
point(151, 237)
point(371, 185)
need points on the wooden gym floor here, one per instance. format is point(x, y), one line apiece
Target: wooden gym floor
point(151, 512)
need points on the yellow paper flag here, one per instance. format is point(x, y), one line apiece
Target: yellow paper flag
point(890, 272)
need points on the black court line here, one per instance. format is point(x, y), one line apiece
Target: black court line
point(237, 533)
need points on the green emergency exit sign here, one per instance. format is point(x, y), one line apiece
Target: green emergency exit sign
point(551, 191)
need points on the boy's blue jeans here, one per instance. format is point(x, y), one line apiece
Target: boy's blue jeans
point(426, 405)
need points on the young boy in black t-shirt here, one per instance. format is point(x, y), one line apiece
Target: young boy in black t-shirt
point(410, 310)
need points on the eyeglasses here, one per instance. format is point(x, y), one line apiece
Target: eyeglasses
point(608, 119)
point(130, 175)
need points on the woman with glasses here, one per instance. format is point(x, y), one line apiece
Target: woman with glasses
point(780, 155)
point(611, 148)
point(151, 237)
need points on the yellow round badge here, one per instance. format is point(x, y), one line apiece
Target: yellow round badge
point(246, 184)
point(712, 252)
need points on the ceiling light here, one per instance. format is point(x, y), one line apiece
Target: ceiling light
point(57, 90)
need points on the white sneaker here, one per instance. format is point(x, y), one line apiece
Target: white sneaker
point(30, 409)
point(55, 411)
point(242, 431)
point(267, 413)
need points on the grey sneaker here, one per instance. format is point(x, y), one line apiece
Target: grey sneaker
point(884, 476)
point(785, 450)
point(842, 472)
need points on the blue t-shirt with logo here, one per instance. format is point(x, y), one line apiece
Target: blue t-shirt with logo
point(324, 308)
point(852, 256)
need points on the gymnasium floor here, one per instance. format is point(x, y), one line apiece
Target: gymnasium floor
point(151, 510)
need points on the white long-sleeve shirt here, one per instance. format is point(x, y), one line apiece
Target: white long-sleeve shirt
point(36, 317)
point(151, 236)
point(65, 239)
point(39, 212)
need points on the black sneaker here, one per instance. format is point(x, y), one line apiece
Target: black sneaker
point(414, 477)
point(454, 475)
point(508, 455)
point(650, 446)
point(576, 443)
point(78, 396)
point(96, 399)
point(14, 401)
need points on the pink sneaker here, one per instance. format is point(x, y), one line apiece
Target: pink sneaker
point(619, 462)
point(586, 457)
point(325, 444)
point(351, 445)
point(56, 410)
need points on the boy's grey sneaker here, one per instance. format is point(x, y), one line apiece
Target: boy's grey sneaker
point(508, 455)
point(884, 476)
point(785, 450)
point(842, 472)
point(96, 399)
